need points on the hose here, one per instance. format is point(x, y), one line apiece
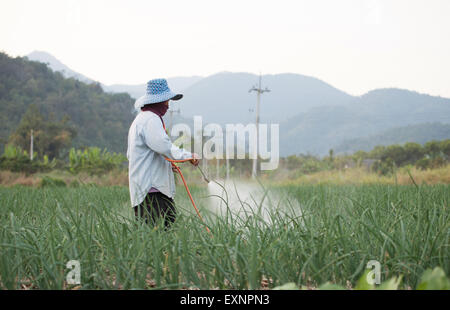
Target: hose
point(173, 161)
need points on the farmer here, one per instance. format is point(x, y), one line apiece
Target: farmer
point(151, 179)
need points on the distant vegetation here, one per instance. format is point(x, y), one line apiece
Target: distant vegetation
point(381, 159)
point(17, 160)
point(433, 154)
point(30, 93)
point(92, 160)
point(50, 137)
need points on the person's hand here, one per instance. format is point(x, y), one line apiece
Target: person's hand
point(194, 161)
point(175, 170)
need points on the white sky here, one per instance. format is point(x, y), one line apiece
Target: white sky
point(355, 45)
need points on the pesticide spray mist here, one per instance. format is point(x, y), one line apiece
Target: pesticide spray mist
point(248, 198)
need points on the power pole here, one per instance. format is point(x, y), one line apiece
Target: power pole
point(217, 168)
point(227, 154)
point(259, 91)
point(31, 145)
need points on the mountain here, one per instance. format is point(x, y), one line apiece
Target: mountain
point(100, 119)
point(225, 98)
point(325, 127)
point(58, 66)
point(420, 133)
point(313, 115)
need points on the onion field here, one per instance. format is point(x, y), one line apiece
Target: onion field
point(308, 235)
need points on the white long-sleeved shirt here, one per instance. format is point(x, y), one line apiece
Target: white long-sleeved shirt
point(148, 143)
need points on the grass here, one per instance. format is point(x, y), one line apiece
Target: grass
point(342, 227)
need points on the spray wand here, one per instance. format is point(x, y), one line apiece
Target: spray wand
point(203, 174)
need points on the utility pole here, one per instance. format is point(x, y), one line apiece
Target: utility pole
point(259, 91)
point(31, 145)
point(217, 168)
point(227, 153)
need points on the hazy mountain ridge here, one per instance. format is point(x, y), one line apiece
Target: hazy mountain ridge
point(225, 98)
point(322, 128)
point(56, 65)
point(313, 115)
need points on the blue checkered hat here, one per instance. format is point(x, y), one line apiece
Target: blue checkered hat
point(157, 91)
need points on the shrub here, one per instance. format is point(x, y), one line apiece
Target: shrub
point(423, 163)
point(16, 160)
point(94, 161)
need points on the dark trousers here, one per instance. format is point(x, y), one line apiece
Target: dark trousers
point(156, 207)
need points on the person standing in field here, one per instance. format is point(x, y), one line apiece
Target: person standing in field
point(151, 178)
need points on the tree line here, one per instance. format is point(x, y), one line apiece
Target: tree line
point(63, 112)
